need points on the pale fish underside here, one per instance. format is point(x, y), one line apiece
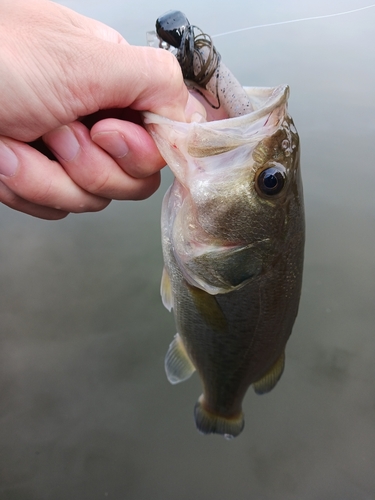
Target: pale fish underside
point(233, 240)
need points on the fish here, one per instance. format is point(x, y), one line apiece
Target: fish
point(233, 237)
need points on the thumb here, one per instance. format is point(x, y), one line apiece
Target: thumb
point(116, 74)
point(143, 78)
point(97, 28)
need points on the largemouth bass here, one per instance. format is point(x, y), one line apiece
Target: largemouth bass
point(233, 242)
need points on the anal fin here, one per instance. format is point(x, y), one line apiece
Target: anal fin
point(270, 379)
point(178, 365)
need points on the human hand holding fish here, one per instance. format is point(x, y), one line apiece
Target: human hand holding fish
point(232, 280)
point(74, 86)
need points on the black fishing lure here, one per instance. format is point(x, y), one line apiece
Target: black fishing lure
point(174, 29)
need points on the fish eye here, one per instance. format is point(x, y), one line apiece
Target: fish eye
point(271, 180)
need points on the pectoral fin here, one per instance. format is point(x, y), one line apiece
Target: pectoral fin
point(178, 366)
point(166, 291)
point(270, 379)
point(209, 309)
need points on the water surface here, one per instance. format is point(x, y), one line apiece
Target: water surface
point(86, 411)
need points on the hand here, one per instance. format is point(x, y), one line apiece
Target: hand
point(80, 86)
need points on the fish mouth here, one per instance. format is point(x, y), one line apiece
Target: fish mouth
point(219, 136)
point(203, 139)
point(264, 100)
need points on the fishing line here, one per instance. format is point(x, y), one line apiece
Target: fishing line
point(293, 21)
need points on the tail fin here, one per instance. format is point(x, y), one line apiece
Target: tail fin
point(209, 423)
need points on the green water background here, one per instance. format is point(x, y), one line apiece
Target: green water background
point(86, 411)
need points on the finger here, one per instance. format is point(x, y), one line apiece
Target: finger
point(11, 200)
point(144, 78)
point(130, 146)
point(93, 169)
point(32, 176)
point(122, 75)
point(99, 29)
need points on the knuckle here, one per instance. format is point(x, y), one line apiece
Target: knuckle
point(41, 194)
point(99, 184)
point(145, 188)
point(169, 68)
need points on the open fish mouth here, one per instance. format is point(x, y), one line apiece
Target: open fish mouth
point(219, 136)
point(231, 136)
point(264, 100)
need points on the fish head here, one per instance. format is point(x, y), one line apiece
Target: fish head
point(236, 203)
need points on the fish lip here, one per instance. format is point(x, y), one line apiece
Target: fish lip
point(277, 96)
